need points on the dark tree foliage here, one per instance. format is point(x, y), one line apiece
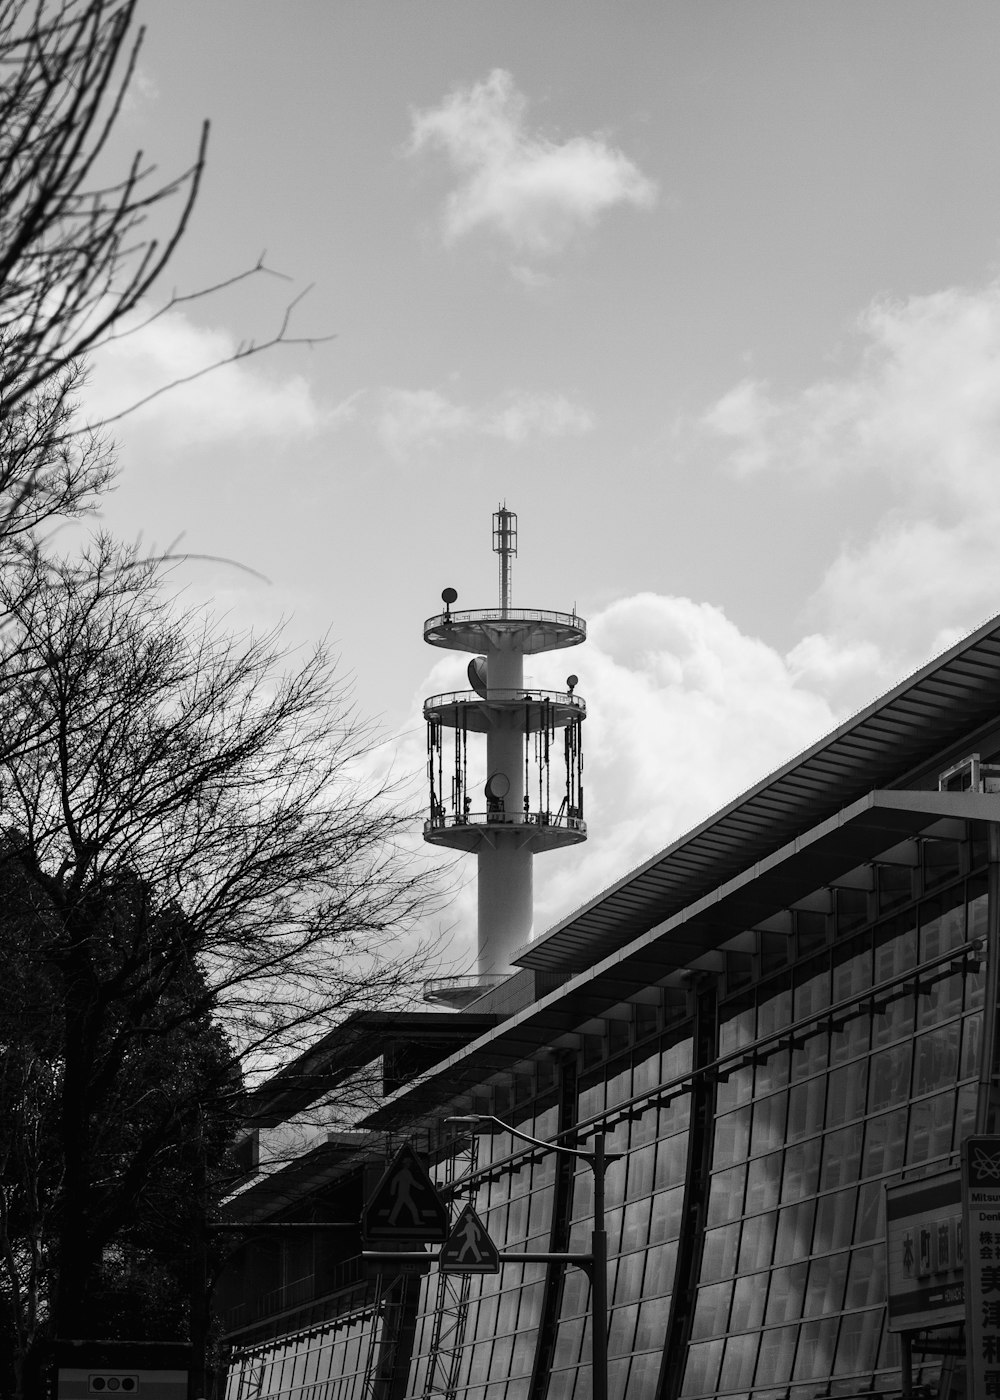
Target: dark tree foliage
point(201, 880)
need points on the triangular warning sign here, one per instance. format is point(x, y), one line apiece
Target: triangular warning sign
point(469, 1249)
point(405, 1204)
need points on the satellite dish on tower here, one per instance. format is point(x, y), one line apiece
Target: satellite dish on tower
point(477, 675)
point(497, 785)
point(448, 596)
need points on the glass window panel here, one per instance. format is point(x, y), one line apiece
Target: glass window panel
point(935, 1058)
point(810, 1052)
point(772, 1065)
point(801, 1170)
point(895, 885)
point(977, 907)
point(852, 963)
point(735, 1087)
point(652, 1324)
point(965, 1114)
point(942, 861)
point(702, 1370)
point(885, 1140)
point(931, 1123)
point(635, 1227)
point(777, 1349)
point(795, 1227)
point(816, 1349)
point(718, 1258)
point(726, 1195)
point(835, 1220)
point(569, 1340)
point(940, 995)
point(851, 911)
point(628, 1283)
point(811, 929)
point(856, 1347)
point(942, 923)
point(749, 1293)
point(774, 1010)
point(841, 1156)
point(825, 1289)
point(889, 1077)
point(671, 1160)
point(768, 1123)
point(643, 1374)
point(972, 1027)
point(805, 1107)
point(849, 1036)
point(641, 1162)
point(866, 1278)
point(811, 987)
point(738, 1023)
point(738, 1363)
point(665, 1223)
point(711, 1311)
point(763, 1183)
point(893, 1015)
point(621, 1331)
point(756, 1243)
point(784, 1298)
point(846, 1096)
point(660, 1262)
point(732, 1137)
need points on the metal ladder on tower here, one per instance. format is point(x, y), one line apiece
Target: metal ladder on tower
point(451, 1308)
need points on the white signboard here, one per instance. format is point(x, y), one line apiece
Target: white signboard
point(924, 1252)
point(981, 1193)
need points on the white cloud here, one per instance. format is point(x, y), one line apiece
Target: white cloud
point(413, 420)
point(916, 417)
point(684, 713)
point(234, 400)
point(535, 192)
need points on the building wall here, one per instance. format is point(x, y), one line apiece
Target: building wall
point(759, 1113)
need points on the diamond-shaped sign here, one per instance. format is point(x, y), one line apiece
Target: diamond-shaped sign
point(469, 1249)
point(405, 1204)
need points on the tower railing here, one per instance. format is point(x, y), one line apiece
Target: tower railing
point(510, 615)
point(500, 695)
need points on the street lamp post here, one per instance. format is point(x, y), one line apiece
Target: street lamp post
point(596, 1262)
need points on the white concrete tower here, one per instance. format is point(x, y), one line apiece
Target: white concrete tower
point(532, 791)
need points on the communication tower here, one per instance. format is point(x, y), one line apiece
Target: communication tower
point(531, 785)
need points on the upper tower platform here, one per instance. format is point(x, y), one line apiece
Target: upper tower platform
point(532, 630)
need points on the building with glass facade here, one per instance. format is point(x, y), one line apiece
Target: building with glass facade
point(789, 1008)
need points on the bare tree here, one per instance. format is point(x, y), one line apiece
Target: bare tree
point(80, 252)
point(190, 818)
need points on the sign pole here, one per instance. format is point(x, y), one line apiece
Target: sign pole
point(906, 1350)
point(599, 1279)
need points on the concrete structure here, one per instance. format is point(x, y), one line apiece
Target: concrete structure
point(783, 1012)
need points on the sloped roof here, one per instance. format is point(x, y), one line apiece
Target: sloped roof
point(952, 696)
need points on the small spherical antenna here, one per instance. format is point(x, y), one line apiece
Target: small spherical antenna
point(448, 596)
point(571, 683)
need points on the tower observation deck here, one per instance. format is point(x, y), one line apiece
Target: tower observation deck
point(529, 797)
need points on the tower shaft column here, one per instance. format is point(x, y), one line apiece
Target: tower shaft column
point(505, 901)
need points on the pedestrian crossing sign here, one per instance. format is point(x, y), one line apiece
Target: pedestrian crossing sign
point(405, 1205)
point(468, 1248)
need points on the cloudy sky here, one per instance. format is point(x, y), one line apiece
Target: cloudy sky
point(708, 293)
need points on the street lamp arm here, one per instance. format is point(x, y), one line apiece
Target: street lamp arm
point(473, 1119)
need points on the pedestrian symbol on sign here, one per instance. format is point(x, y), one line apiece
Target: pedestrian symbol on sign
point(405, 1204)
point(469, 1249)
